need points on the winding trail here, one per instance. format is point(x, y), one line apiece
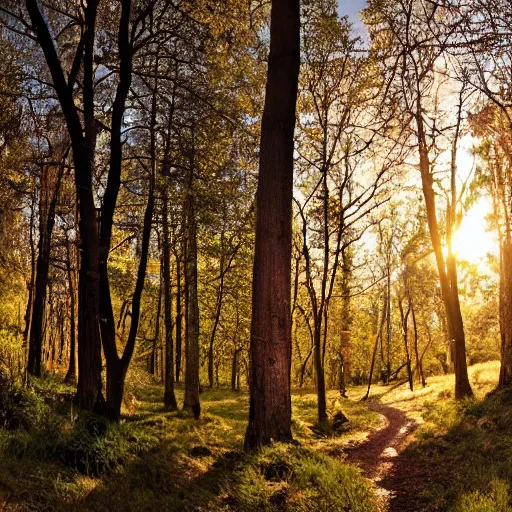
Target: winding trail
point(380, 459)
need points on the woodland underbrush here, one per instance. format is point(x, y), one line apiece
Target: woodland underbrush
point(460, 459)
point(55, 458)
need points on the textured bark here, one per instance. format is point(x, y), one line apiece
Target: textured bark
point(505, 309)
point(89, 343)
point(191, 399)
point(270, 402)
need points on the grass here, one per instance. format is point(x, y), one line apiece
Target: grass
point(161, 460)
point(460, 456)
point(459, 459)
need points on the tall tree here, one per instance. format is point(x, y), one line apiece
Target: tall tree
point(270, 400)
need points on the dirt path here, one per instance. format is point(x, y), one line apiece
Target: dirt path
point(379, 456)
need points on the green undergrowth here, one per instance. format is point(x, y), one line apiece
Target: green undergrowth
point(156, 459)
point(465, 449)
point(296, 479)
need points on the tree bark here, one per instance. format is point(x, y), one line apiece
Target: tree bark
point(270, 401)
point(89, 386)
point(169, 396)
point(505, 308)
point(191, 399)
point(179, 318)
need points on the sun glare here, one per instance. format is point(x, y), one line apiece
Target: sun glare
point(473, 241)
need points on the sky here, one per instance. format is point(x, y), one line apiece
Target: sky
point(351, 7)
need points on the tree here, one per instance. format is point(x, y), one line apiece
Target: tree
point(413, 64)
point(270, 401)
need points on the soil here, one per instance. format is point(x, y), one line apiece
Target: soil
point(381, 459)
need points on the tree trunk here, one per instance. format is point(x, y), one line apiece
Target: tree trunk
point(218, 308)
point(179, 318)
point(89, 386)
point(447, 271)
point(169, 396)
point(404, 316)
point(270, 402)
point(191, 400)
point(378, 336)
point(505, 309)
point(71, 373)
point(419, 363)
point(320, 378)
point(154, 341)
point(47, 202)
point(235, 370)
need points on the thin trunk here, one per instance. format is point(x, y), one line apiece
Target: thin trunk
point(47, 202)
point(378, 336)
point(218, 308)
point(447, 270)
point(169, 396)
point(179, 318)
point(419, 365)
point(235, 370)
point(156, 337)
point(404, 317)
point(71, 373)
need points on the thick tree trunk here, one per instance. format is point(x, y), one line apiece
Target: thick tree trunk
point(89, 343)
point(270, 402)
point(169, 396)
point(191, 400)
point(505, 309)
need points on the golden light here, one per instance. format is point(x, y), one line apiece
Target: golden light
point(473, 241)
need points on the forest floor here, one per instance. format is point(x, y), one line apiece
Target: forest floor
point(418, 451)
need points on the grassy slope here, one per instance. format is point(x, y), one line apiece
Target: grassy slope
point(460, 457)
point(156, 460)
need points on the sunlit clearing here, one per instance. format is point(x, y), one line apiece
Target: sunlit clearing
point(473, 241)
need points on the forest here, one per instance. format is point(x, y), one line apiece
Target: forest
point(256, 255)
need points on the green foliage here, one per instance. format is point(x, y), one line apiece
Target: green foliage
point(470, 444)
point(496, 500)
point(291, 478)
point(19, 408)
